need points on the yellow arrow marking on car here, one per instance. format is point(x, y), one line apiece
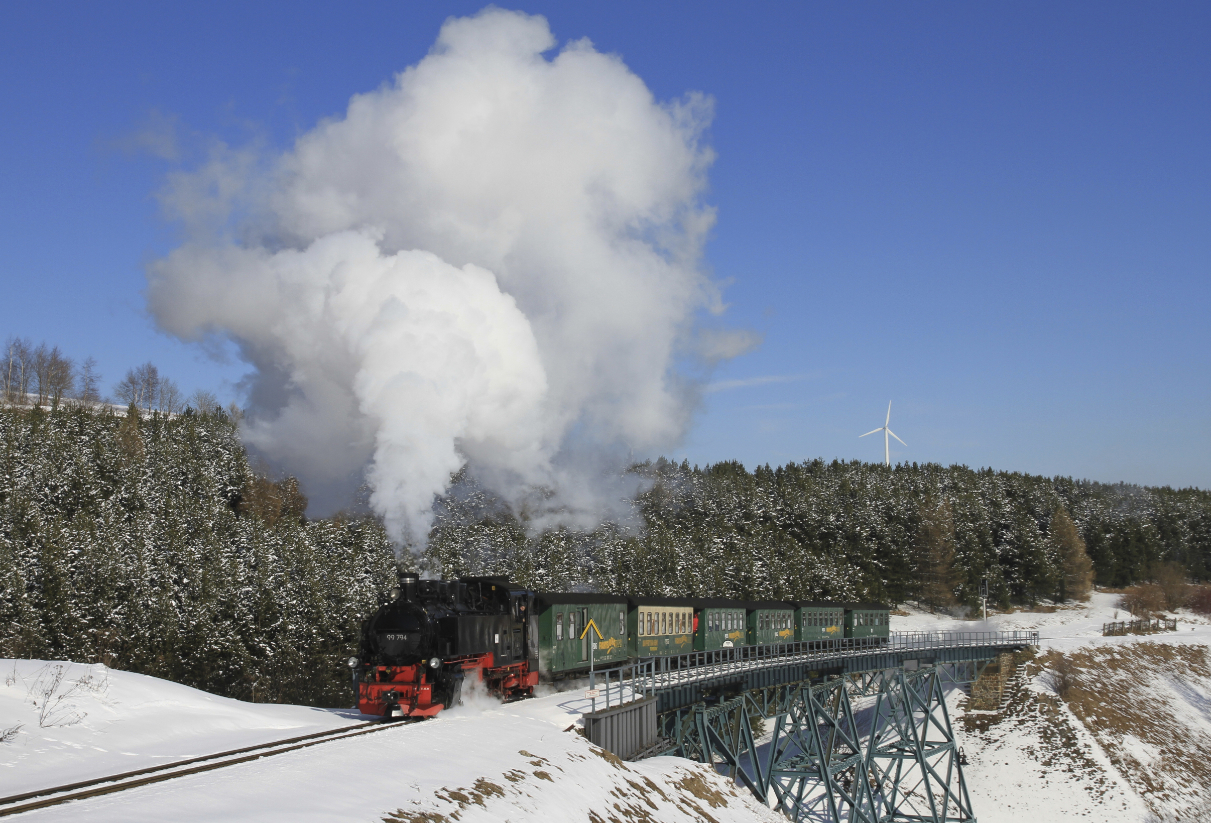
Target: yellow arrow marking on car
point(593, 626)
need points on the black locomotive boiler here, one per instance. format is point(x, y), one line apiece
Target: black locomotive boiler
point(418, 648)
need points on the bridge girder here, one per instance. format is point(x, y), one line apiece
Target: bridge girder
point(893, 759)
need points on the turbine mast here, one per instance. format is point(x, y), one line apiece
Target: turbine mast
point(887, 435)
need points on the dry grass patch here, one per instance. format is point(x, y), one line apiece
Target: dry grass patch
point(1149, 706)
point(608, 756)
point(634, 797)
point(401, 816)
point(694, 784)
point(1034, 728)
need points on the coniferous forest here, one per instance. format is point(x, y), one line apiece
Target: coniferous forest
point(146, 541)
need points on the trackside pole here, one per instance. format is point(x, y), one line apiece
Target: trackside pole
point(592, 692)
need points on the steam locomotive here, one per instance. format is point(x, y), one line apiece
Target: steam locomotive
point(418, 649)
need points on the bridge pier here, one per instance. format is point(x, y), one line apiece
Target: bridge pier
point(827, 759)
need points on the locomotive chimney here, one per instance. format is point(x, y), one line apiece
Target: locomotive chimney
point(408, 582)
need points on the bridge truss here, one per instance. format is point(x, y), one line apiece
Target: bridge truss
point(839, 732)
point(866, 748)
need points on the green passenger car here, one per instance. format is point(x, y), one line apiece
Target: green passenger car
point(660, 625)
point(817, 620)
point(867, 620)
point(770, 621)
point(720, 624)
point(562, 618)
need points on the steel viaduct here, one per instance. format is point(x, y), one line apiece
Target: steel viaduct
point(852, 731)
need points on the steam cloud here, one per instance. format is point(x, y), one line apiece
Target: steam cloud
point(493, 260)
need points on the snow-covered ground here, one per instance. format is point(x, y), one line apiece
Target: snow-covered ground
point(1066, 627)
point(1040, 760)
point(99, 722)
point(481, 762)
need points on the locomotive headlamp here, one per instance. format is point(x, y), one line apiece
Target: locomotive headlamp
point(395, 593)
point(352, 662)
point(434, 662)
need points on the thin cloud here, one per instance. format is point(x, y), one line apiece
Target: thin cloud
point(749, 382)
point(158, 135)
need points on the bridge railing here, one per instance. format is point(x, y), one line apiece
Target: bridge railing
point(644, 677)
point(672, 670)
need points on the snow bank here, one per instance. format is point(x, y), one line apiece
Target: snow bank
point(1036, 762)
point(99, 721)
point(1044, 760)
point(484, 761)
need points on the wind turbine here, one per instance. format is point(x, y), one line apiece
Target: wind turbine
point(886, 431)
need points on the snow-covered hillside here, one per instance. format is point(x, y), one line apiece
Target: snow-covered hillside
point(1111, 753)
point(481, 762)
point(1043, 759)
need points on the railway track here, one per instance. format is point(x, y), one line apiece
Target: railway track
point(56, 795)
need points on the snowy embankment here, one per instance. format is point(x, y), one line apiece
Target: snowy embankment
point(1117, 748)
point(482, 761)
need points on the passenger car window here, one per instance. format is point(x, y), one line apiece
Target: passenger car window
point(559, 626)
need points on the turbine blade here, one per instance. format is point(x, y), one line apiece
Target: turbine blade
point(876, 430)
point(887, 422)
point(893, 434)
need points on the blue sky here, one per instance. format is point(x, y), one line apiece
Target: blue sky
point(996, 216)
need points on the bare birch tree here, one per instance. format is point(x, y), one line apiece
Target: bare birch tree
point(140, 386)
point(168, 398)
point(88, 382)
point(204, 402)
point(18, 369)
point(60, 376)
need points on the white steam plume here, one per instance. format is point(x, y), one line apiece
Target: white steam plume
point(492, 260)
